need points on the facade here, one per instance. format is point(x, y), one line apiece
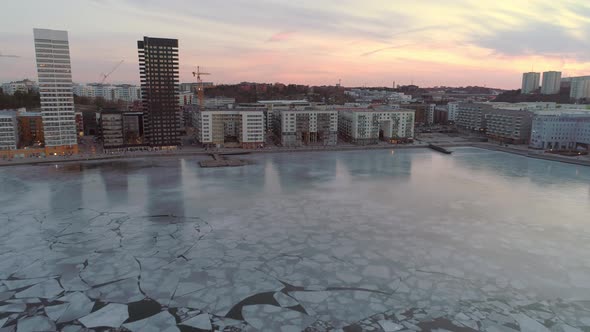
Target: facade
point(219, 102)
point(123, 92)
point(243, 128)
point(561, 130)
point(421, 112)
point(309, 126)
point(551, 82)
point(8, 130)
point(453, 109)
point(512, 126)
point(122, 130)
point(430, 114)
point(530, 82)
point(111, 129)
point(367, 125)
point(579, 87)
point(187, 98)
point(30, 129)
point(55, 87)
point(158, 67)
point(507, 125)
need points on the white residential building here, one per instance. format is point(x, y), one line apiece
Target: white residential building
point(369, 125)
point(561, 130)
point(453, 109)
point(225, 128)
point(430, 113)
point(124, 92)
point(580, 87)
point(8, 130)
point(219, 102)
point(551, 82)
point(22, 86)
point(530, 82)
point(52, 52)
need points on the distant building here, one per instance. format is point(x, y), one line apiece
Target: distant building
point(420, 112)
point(52, 52)
point(561, 130)
point(187, 98)
point(309, 126)
point(8, 130)
point(551, 82)
point(79, 123)
point(530, 82)
point(243, 128)
point(158, 66)
point(192, 87)
point(453, 109)
point(21, 86)
point(369, 125)
point(219, 102)
point(579, 87)
point(430, 113)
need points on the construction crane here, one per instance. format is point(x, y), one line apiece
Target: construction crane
point(104, 76)
point(200, 91)
point(8, 56)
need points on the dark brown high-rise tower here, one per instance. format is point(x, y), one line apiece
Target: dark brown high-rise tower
point(158, 69)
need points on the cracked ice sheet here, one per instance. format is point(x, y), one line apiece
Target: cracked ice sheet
point(218, 290)
point(162, 321)
point(274, 319)
point(342, 307)
point(112, 315)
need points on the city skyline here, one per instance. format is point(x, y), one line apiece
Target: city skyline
point(371, 43)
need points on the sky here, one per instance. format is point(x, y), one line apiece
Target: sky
point(318, 42)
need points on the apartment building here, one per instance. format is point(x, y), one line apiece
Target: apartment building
point(52, 52)
point(368, 125)
point(19, 86)
point(243, 128)
point(504, 124)
point(122, 130)
point(561, 130)
point(30, 129)
point(308, 126)
point(8, 130)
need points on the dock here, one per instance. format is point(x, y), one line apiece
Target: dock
point(439, 149)
point(219, 160)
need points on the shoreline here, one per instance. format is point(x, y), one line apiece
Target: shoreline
point(201, 152)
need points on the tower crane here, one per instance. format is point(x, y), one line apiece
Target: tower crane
point(200, 91)
point(104, 76)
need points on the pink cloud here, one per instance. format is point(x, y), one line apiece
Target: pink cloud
point(281, 36)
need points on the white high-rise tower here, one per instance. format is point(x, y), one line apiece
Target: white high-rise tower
point(52, 52)
point(530, 82)
point(551, 82)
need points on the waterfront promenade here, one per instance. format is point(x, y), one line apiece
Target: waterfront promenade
point(194, 151)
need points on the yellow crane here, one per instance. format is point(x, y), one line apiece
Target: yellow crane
point(200, 90)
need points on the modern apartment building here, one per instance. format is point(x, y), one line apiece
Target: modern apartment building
point(551, 82)
point(513, 126)
point(453, 109)
point(309, 126)
point(243, 128)
point(561, 130)
point(55, 87)
point(507, 125)
point(369, 125)
point(158, 67)
point(30, 129)
point(122, 130)
point(8, 130)
point(579, 87)
point(530, 82)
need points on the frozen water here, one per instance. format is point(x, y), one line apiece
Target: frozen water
point(357, 241)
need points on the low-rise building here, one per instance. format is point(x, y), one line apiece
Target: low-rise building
point(243, 128)
point(369, 125)
point(561, 130)
point(308, 126)
point(8, 130)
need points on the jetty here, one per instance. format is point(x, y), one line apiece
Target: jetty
point(221, 160)
point(439, 149)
